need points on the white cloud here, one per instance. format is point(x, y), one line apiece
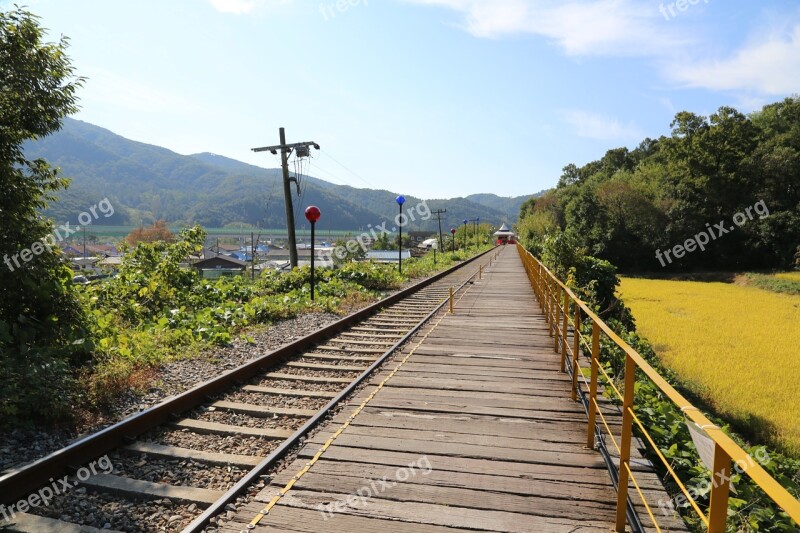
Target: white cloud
point(578, 27)
point(762, 68)
point(240, 7)
point(600, 127)
point(770, 66)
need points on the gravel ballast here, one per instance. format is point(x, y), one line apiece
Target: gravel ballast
point(23, 445)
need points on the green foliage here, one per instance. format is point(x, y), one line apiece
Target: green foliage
point(631, 203)
point(155, 309)
point(42, 325)
point(383, 242)
point(417, 267)
point(342, 254)
point(771, 283)
point(370, 275)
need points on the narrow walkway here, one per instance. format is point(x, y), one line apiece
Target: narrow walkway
point(475, 431)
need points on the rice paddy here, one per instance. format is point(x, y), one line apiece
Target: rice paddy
point(737, 346)
point(791, 276)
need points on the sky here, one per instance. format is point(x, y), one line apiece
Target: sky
point(431, 98)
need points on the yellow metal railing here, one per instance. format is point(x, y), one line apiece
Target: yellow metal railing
point(561, 306)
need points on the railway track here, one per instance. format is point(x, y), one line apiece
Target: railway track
point(183, 463)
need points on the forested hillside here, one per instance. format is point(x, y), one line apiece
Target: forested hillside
point(146, 182)
point(721, 192)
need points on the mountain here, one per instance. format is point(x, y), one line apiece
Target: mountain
point(501, 203)
point(146, 182)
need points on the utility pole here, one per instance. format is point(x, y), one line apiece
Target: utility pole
point(439, 213)
point(286, 150)
point(252, 255)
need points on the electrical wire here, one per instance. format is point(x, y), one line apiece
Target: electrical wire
point(327, 154)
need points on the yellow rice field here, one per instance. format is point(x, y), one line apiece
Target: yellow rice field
point(793, 276)
point(738, 346)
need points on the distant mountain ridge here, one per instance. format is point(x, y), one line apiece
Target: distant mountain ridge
point(146, 182)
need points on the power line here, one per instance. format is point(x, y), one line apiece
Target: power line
point(325, 152)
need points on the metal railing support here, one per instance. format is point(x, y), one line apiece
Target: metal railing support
point(556, 317)
point(593, 383)
point(720, 490)
point(625, 443)
point(576, 349)
point(564, 331)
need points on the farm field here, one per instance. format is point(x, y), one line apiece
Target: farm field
point(791, 276)
point(736, 346)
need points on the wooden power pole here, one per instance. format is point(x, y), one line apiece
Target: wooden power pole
point(286, 150)
point(439, 213)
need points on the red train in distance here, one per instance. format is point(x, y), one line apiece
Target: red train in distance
point(505, 236)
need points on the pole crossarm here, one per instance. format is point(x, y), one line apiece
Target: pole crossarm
point(287, 148)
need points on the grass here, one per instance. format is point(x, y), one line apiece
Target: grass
point(735, 346)
point(786, 282)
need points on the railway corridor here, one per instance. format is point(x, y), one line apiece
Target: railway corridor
point(471, 427)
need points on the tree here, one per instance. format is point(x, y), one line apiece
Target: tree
point(382, 242)
point(157, 232)
point(342, 254)
point(42, 324)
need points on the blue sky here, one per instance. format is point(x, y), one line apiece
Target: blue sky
point(434, 98)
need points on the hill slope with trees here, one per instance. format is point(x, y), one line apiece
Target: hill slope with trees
point(732, 177)
point(146, 183)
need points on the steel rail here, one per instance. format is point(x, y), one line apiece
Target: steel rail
point(21, 481)
point(218, 507)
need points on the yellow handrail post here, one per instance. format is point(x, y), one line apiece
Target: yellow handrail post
point(593, 383)
point(720, 490)
point(564, 330)
point(548, 296)
point(451, 301)
point(625, 444)
point(480, 272)
point(541, 288)
point(556, 316)
point(576, 349)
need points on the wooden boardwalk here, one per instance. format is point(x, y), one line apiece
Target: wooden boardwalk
point(476, 431)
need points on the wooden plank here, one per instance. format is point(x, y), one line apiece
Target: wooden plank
point(442, 515)
point(550, 430)
point(395, 491)
point(496, 484)
point(323, 366)
point(574, 457)
point(201, 426)
point(174, 452)
point(310, 379)
point(449, 463)
point(289, 392)
point(261, 411)
point(301, 520)
point(135, 488)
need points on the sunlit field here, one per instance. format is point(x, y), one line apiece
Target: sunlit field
point(735, 345)
point(792, 276)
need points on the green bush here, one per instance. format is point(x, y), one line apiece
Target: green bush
point(370, 275)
